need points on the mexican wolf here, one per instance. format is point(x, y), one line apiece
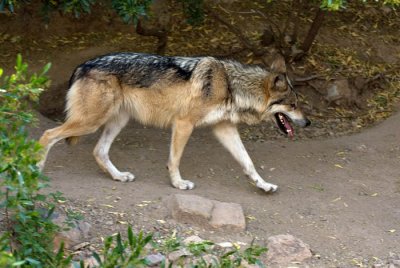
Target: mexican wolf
point(177, 92)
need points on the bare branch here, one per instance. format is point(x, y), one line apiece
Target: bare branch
point(242, 38)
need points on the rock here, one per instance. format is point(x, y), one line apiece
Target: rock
point(73, 235)
point(70, 238)
point(81, 245)
point(209, 259)
point(155, 259)
point(228, 216)
point(58, 218)
point(191, 209)
point(283, 249)
point(339, 91)
point(175, 255)
point(88, 262)
point(394, 260)
point(207, 213)
point(192, 239)
point(84, 227)
point(225, 245)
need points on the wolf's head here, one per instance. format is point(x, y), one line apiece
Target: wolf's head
point(282, 100)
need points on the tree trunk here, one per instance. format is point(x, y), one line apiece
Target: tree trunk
point(157, 25)
point(161, 35)
point(313, 31)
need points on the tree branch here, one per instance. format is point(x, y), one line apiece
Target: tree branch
point(313, 31)
point(257, 52)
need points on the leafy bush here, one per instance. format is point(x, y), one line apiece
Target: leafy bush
point(131, 10)
point(194, 11)
point(27, 239)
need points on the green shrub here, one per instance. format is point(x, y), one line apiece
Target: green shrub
point(28, 234)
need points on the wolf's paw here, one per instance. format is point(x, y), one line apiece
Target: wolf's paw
point(124, 177)
point(268, 187)
point(183, 184)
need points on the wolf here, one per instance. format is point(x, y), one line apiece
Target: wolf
point(179, 93)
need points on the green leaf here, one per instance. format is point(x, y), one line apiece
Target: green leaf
point(97, 257)
point(19, 263)
point(130, 237)
point(32, 261)
point(19, 62)
point(46, 68)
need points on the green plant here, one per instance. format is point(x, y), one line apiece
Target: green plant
point(131, 10)
point(229, 259)
point(199, 248)
point(6, 257)
point(194, 11)
point(7, 4)
point(123, 253)
point(170, 244)
point(28, 228)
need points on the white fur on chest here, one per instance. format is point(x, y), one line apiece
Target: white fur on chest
point(218, 115)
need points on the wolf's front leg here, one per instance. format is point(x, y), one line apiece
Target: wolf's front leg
point(181, 131)
point(228, 135)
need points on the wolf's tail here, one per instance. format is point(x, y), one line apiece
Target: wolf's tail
point(73, 140)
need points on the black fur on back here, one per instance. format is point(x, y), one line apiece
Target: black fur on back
point(139, 70)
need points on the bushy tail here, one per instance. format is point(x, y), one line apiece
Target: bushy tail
point(72, 140)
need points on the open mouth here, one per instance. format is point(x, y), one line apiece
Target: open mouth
point(283, 123)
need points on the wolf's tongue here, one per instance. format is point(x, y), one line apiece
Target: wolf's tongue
point(289, 129)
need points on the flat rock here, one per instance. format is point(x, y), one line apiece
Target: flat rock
point(155, 259)
point(340, 92)
point(192, 239)
point(80, 246)
point(228, 216)
point(175, 255)
point(284, 249)
point(207, 213)
point(191, 209)
point(73, 235)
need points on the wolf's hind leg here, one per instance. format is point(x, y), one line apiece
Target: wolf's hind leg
point(181, 132)
point(68, 129)
point(90, 104)
point(228, 135)
point(111, 129)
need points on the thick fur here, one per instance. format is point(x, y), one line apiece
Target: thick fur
point(178, 92)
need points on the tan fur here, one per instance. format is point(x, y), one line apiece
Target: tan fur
point(98, 99)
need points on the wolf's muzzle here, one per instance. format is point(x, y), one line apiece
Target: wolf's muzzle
point(302, 122)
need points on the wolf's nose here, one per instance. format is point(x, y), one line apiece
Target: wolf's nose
point(308, 122)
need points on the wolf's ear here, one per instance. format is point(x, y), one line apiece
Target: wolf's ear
point(276, 83)
point(278, 65)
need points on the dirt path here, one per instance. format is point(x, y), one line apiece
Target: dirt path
point(341, 195)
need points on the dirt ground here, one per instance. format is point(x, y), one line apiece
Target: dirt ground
point(339, 195)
